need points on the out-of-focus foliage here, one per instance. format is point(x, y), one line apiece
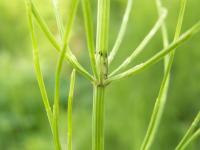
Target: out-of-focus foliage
point(23, 122)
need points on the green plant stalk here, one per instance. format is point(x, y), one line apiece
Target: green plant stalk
point(69, 111)
point(68, 56)
point(55, 108)
point(161, 100)
point(58, 17)
point(65, 40)
point(37, 67)
point(39, 76)
point(55, 128)
point(121, 32)
point(164, 35)
point(102, 38)
point(188, 134)
point(87, 13)
point(162, 96)
point(191, 139)
point(157, 57)
point(98, 118)
point(142, 45)
point(102, 70)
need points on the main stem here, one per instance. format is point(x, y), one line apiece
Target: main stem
point(98, 118)
point(102, 72)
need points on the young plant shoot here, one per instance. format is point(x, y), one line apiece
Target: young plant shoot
point(101, 57)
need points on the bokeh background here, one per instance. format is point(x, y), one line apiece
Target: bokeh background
point(129, 102)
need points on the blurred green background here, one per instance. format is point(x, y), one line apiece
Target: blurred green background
point(129, 102)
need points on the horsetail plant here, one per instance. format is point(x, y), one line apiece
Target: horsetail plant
point(100, 62)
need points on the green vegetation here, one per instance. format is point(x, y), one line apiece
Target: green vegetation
point(117, 132)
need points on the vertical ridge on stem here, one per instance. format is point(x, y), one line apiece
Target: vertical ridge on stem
point(98, 118)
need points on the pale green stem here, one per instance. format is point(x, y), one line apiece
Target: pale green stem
point(56, 108)
point(87, 12)
point(65, 40)
point(98, 118)
point(58, 17)
point(40, 80)
point(188, 134)
point(102, 38)
point(161, 100)
point(102, 66)
point(142, 45)
point(191, 139)
point(69, 111)
point(55, 128)
point(160, 55)
point(68, 56)
point(164, 33)
point(37, 67)
point(121, 32)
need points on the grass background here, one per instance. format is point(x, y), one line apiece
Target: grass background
point(129, 102)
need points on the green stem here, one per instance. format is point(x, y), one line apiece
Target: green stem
point(188, 134)
point(122, 31)
point(58, 17)
point(68, 56)
point(36, 61)
point(143, 44)
point(161, 100)
point(70, 101)
point(102, 70)
point(87, 13)
point(65, 40)
point(102, 39)
point(157, 57)
point(98, 118)
point(191, 139)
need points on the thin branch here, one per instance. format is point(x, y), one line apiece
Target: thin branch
point(121, 31)
point(160, 55)
point(142, 45)
point(40, 77)
point(87, 12)
point(37, 67)
point(58, 17)
point(162, 96)
point(191, 139)
point(164, 33)
point(188, 134)
point(65, 40)
point(72, 60)
point(69, 110)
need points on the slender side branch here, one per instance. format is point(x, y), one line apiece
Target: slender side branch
point(162, 96)
point(191, 139)
point(58, 17)
point(65, 41)
point(164, 34)
point(68, 56)
point(70, 102)
point(87, 12)
point(182, 144)
point(37, 67)
point(142, 45)
point(121, 31)
point(40, 77)
point(160, 55)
